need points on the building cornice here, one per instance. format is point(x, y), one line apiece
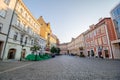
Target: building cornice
point(25, 7)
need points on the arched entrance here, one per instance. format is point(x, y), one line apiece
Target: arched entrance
point(92, 53)
point(23, 53)
point(88, 53)
point(106, 54)
point(1, 47)
point(11, 53)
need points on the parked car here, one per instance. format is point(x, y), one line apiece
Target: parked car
point(52, 55)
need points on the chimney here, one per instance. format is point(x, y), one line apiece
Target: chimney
point(92, 26)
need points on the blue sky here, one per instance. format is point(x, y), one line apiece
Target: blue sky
point(69, 18)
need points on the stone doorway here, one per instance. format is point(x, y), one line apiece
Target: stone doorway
point(1, 47)
point(23, 53)
point(106, 54)
point(92, 53)
point(88, 53)
point(11, 53)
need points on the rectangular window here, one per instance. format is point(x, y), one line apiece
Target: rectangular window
point(26, 15)
point(21, 39)
point(28, 29)
point(18, 23)
point(24, 26)
point(29, 20)
point(99, 41)
point(21, 10)
point(34, 25)
point(21, 25)
point(102, 29)
point(1, 25)
point(115, 12)
point(7, 2)
point(96, 42)
point(99, 31)
point(3, 13)
point(104, 39)
point(15, 36)
point(26, 38)
point(94, 33)
point(118, 25)
point(31, 42)
point(118, 10)
point(119, 30)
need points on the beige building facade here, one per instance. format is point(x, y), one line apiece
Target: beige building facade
point(76, 46)
point(80, 45)
point(71, 46)
point(63, 48)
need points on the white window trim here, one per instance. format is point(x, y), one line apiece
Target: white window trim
point(7, 2)
point(3, 14)
point(15, 36)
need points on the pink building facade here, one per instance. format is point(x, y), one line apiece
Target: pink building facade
point(98, 39)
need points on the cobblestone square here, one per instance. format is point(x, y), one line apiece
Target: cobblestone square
point(64, 68)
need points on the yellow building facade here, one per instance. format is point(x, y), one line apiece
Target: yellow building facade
point(46, 33)
point(53, 40)
point(45, 28)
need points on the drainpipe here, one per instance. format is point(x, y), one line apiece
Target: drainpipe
point(9, 30)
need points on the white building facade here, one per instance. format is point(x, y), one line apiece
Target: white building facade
point(6, 11)
point(24, 31)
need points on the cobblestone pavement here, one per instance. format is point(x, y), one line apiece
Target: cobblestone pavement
point(66, 68)
point(11, 64)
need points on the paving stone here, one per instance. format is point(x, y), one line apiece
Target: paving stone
point(67, 68)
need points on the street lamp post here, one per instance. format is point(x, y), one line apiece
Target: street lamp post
point(48, 40)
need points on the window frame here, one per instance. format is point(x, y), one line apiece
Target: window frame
point(15, 36)
point(104, 39)
point(1, 26)
point(7, 2)
point(1, 12)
